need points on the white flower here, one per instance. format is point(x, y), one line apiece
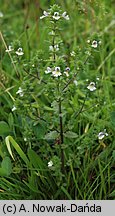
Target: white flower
point(102, 134)
point(45, 14)
point(94, 44)
point(88, 41)
point(51, 48)
point(49, 70)
point(14, 108)
point(72, 53)
point(19, 52)
point(25, 139)
point(9, 49)
point(54, 48)
point(20, 92)
point(91, 86)
point(56, 16)
point(66, 71)
point(52, 33)
point(75, 82)
point(65, 16)
point(1, 14)
point(56, 72)
point(50, 164)
point(97, 78)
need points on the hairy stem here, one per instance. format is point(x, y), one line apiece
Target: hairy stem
point(60, 105)
point(53, 42)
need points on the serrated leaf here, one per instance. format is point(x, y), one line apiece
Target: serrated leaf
point(70, 134)
point(51, 135)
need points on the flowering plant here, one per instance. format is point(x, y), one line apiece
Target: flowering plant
point(57, 83)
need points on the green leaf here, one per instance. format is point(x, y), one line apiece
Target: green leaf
point(11, 120)
point(33, 188)
point(2, 152)
point(39, 131)
point(2, 172)
point(70, 134)
point(9, 140)
point(4, 128)
point(112, 194)
point(51, 135)
point(48, 108)
point(6, 167)
point(40, 167)
point(113, 117)
point(35, 160)
point(113, 155)
point(66, 193)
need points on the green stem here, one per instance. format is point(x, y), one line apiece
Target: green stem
point(60, 107)
point(61, 129)
point(53, 44)
point(61, 136)
point(78, 113)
